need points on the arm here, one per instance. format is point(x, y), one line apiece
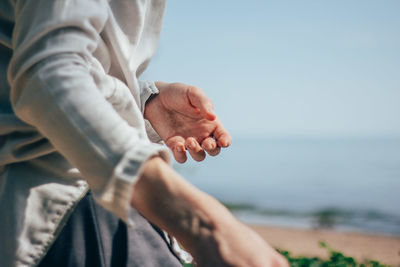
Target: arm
point(205, 227)
point(52, 89)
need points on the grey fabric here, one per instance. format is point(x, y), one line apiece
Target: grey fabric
point(95, 237)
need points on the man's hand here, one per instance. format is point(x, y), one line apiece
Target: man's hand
point(184, 118)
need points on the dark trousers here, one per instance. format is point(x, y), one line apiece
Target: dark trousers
point(95, 237)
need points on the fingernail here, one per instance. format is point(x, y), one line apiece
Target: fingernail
point(211, 113)
point(179, 149)
point(192, 145)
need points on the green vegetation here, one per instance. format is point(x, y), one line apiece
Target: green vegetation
point(336, 259)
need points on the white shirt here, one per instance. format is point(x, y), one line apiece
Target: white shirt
point(70, 113)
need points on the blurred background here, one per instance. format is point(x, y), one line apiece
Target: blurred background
point(310, 92)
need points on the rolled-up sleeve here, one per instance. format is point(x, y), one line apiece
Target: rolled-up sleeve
point(53, 90)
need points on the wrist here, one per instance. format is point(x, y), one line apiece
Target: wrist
point(152, 103)
point(150, 106)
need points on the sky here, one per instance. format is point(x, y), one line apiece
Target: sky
point(288, 68)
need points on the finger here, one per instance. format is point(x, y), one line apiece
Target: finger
point(210, 146)
point(195, 149)
point(223, 137)
point(199, 100)
point(177, 146)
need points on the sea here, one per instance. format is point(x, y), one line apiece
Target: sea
point(346, 184)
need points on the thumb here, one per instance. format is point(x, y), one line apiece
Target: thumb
point(201, 102)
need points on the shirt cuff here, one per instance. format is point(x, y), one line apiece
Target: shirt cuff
point(148, 88)
point(117, 195)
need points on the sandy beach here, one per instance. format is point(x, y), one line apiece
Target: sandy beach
point(386, 249)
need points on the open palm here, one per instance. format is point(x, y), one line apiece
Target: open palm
point(183, 116)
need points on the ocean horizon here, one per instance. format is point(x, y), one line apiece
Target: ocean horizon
point(349, 184)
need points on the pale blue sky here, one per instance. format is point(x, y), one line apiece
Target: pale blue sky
point(297, 68)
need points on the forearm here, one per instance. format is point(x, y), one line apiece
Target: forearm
point(173, 204)
point(203, 225)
